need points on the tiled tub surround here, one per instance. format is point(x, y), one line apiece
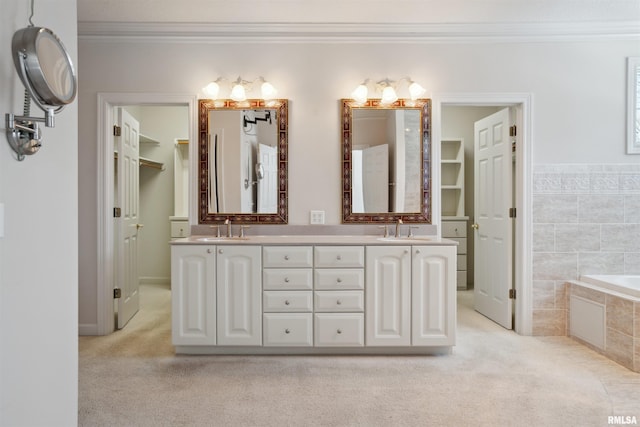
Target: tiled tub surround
point(608, 321)
point(586, 220)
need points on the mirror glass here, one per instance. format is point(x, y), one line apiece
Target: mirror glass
point(386, 163)
point(243, 161)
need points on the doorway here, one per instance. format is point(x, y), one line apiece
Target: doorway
point(449, 112)
point(107, 104)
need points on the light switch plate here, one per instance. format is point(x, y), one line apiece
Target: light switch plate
point(316, 217)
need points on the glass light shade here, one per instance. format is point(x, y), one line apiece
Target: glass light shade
point(238, 93)
point(268, 91)
point(212, 90)
point(416, 91)
point(360, 94)
point(388, 95)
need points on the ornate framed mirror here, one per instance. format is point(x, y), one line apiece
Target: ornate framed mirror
point(386, 161)
point(242, 161)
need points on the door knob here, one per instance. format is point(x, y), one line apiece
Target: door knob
point(475, 226)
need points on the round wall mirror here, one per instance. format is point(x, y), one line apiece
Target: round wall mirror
point(44, 66)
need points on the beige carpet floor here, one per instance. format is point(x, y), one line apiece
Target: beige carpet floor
point(493, 378)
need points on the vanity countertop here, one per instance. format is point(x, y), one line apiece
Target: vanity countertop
point(313, 240)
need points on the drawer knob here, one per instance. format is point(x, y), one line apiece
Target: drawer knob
point(339, 257)
point(339, 331)
point(286, 280)
point(339, 280)
point(287, 302)
point(339, 302)
point(287, 331)
point(286, 257)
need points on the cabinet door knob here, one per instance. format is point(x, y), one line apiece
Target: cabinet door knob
point(221, 251)
point(406, 251)
point(208, 251)
point(417, 251)
point(287, 331)
point(339, 331)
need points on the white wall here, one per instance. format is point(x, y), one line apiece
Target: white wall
point(39, 251)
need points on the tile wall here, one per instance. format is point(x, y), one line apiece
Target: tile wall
point(586, 220)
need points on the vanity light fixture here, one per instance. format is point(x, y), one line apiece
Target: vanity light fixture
point(388, 89)
point(46, 70)
point(239, 89)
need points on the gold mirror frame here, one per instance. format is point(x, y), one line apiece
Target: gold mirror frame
point(282, 112)
point(424, 216)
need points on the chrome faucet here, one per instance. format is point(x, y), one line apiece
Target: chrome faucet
point(227, 222)
point(398, 224)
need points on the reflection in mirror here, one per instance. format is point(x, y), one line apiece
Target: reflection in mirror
point(243, 161)
point(386, 161)
point(633, 105)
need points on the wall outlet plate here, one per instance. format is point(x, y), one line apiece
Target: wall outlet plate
point(316, 217)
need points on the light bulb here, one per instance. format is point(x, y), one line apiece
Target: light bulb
point(388, 96)
point(268, 91)
point(416, 91)
point(238, 93)
point(360, 94)
point(212, 90)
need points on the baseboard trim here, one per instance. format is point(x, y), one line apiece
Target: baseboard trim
point(88, 329)
point(150, 280)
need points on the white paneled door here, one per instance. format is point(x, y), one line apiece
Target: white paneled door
point(128, 224)
point(493, 228)
point(267, 177)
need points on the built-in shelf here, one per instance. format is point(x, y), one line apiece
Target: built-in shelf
point(452, 177)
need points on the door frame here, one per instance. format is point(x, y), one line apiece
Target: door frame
point(522, 259)
point(105, 279)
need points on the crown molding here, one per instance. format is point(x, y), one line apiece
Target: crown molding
point(355, 32)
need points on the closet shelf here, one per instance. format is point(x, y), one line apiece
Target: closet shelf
point(147, 139)
point(151, 163)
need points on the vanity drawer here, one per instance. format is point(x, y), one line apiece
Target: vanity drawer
point(332, 301)
point(339, 256)
point(287, 301)
point(339, 278)
point(180, 229)
point(287, 256)
point(285, 278)
point(462, 244)
point(291, 329)
point(343, 329)
point(454, 229)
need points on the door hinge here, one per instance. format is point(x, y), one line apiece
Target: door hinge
point(117, 212)
point(512, 294)
point(117, 130)
point(512, 212)
point(117, 293)
point(513, 131)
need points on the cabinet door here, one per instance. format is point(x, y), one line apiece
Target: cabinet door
point(434, 295)
point(193, 294)
point(239, 273)
point(388, 295)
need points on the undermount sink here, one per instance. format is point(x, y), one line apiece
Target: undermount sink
point(219, 239)
point(408, 240)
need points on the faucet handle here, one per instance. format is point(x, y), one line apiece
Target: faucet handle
point(386, 230)
point(242, 228)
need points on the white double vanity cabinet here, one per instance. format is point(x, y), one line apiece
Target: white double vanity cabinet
point(313, 294)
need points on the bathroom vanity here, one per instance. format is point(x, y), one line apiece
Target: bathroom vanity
point(313, 294)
